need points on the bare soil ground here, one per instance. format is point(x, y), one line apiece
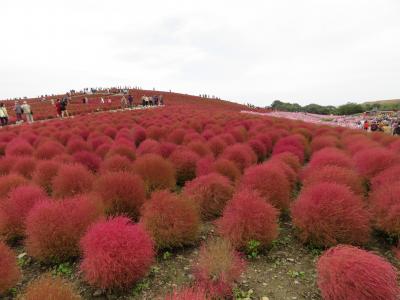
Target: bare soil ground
point(285, 272)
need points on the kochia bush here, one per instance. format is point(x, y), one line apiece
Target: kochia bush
point(248, 217)
point(346, 272)
point(370, 162)
point(10, 182)
point(10, 273)
point(184, 162)
point(172, 220)
point(54, 228)
point(121, 193)
point(242, 155)
point(71, 180)
point(210, 192)
point(327, 214)
point(116, 253)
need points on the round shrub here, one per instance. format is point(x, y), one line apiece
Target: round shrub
point(167, 149)
point(76, 145)
point(48, 287)
point(270, 181)
point(338, 175)
point(15, 208)
point(248, 217)
point(123, 150)
point(385, 205)
point(327, 214)
point(210, 192)
point(218, 268)
point(116, 253)
point(258, 148)
point(324, 141)
point(346, 272)
point(156, 172)
point(184, 162)
point(217, 145)
point(10, 273)
point(121, 193)
point(54, 228)
point(88, 159)
point(290, 159)
point(44, 173)
point(172, 220)
point(10, 182)
point(149, 146)
point(387, 176)
point(116, 163)
point(330, 156)
point(370, 162)
point(24, 166)
point(19, 147)
point(227, 168)
point(200, 148)
point(188, 294)
point(242, 155)
point(48, 150)
point(6, 164)
point(71, 180)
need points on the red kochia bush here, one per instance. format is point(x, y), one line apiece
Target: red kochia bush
point(19, 147)
point(327, 214)
point(48, 287)
point(6, 164)
point(149, 146)
point(88, 159)
point(227, 168)
point(188, 294)
point(116, 163)
point(156, 172)
point(385, 205)
point(346, 272)
point(387, 176)
point(44, 173)
point(121, 193)
point(330, 156)
point(218, 267)
point(116, 253)
point(210, 192)
point(48, 150)
point(324, 141)
point(172, 220)
point(259, 149)
point(53, 228)
point(217, 145)
point(15, 208)
point(270, 181)
point(9, 271)
point(10, 182)
point(24, 166)
point(242, 155)
point(248, 217)
point(370, 162)
point(184, 162)
point(72, 180)
point(336, 174)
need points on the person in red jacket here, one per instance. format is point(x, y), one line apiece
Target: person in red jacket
point(58, 108)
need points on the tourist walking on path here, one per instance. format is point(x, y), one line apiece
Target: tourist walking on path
point(3, 115)
point(58, 108)
point(130, 100)
point(64, 104)
point(124, 103)
point(26, 108)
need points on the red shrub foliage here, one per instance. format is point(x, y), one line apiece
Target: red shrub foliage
point(227, 168)
point(10, 182)
point(327, 214)
point(294, 144)
point(24, 166)
point(242, 155)
point(10, 273)
point(172, 220)
point(217, 145)
point(248, 217)
point(258, 148)
point(48, 287)
point(346, 272)
point(370, 162)
point(201, 148)
point(123, 150)
point(387, 176)
point(15, 208)
point(188, 294)
point(330, 156)
point(149, 146)
point(218, 268)
point(184, 162)
point(324, 141)
point(44, 173)
point(156, 172)
point(116, 163)
point(288, 158)
point(76, 145)
point(88, 159)
point(338, 175)
point(54, 228)
point(48, 150)
point(121, 193)
point(395, 146)
point(211, 192)
point(176, 136)
point(19, 147)
point(385, 206)
point(270, 181)
point(116, 253)
point(167, 149)
point(6, 164)
point(71, 180)
point(139, 135)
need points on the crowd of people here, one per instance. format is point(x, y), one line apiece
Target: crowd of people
point(391, 126)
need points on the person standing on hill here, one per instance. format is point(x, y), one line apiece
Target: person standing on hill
point(58, 108)
point(366, 125)
point(26, 108)
point(3, 115)
point(396, 129)
point(124, 103)
point(18, 112)
point(64, 104)
point(130, 100)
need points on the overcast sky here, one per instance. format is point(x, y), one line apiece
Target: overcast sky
point(321, 51)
